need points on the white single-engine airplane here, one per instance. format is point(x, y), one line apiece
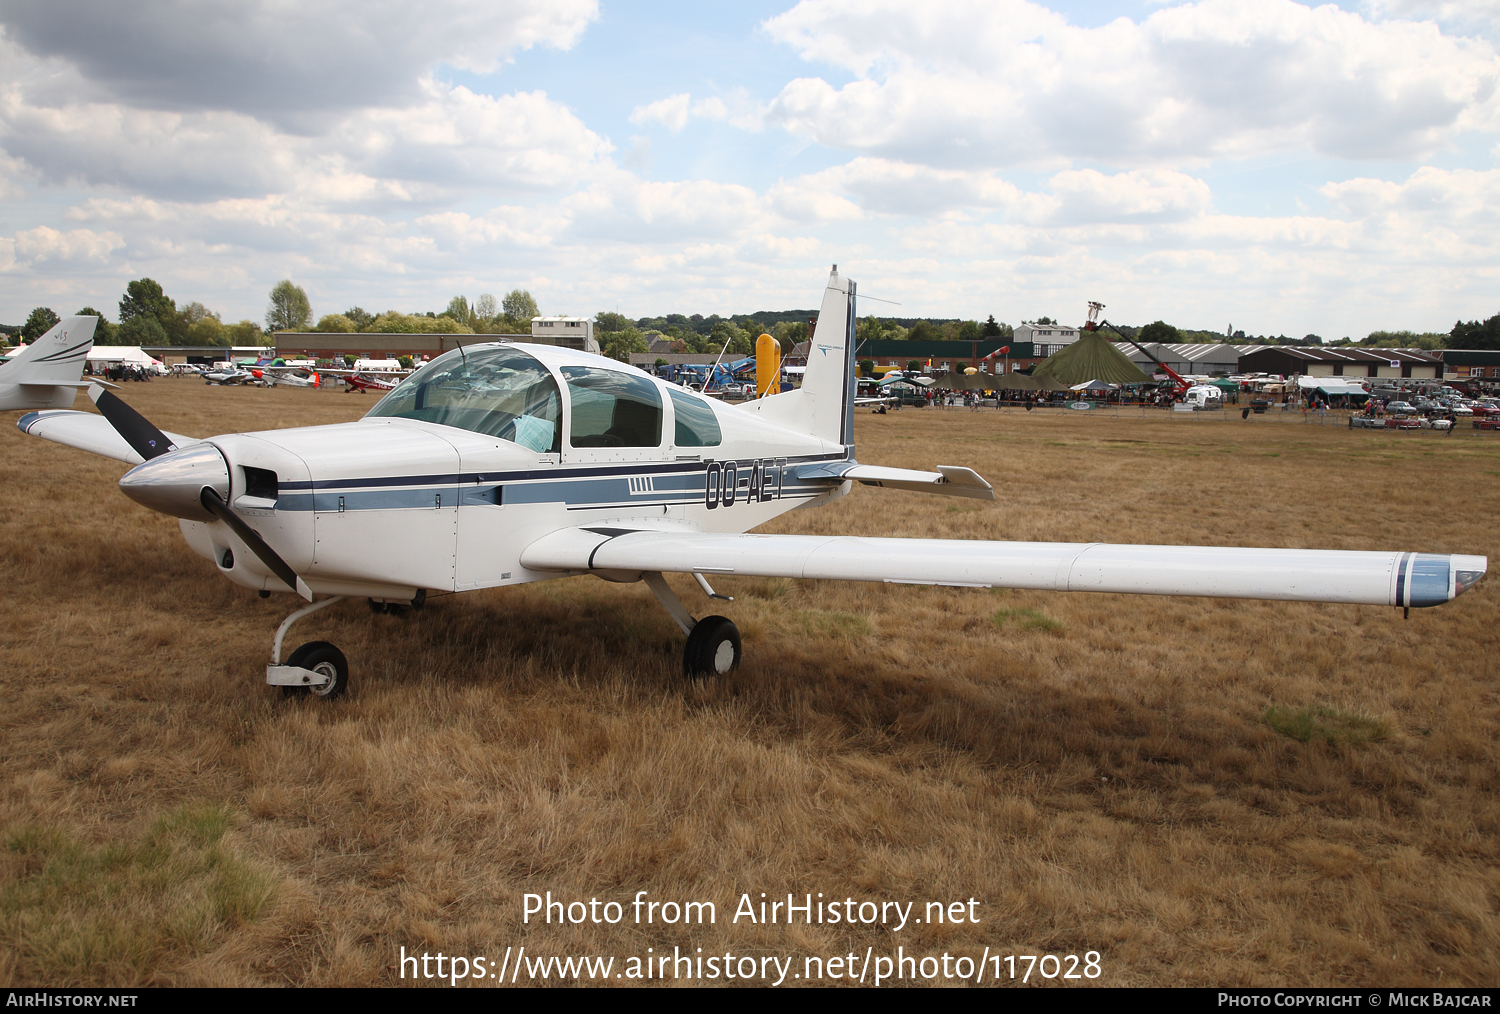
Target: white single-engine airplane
point(47, 373)
point(500, 464)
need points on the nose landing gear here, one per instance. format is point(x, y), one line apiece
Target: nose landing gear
point(317, 668)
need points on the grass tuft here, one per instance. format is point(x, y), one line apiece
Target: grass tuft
point(1029, 619)
point(833, 624)
point(1332, 725)
point(72, 913)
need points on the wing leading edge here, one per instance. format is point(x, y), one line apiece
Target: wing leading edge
point(1302, 575)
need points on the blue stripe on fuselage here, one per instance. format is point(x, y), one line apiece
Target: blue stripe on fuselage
point(578, 487)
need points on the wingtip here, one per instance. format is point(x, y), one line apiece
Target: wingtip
point(1467, 571)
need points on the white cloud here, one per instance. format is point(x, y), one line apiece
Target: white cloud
point(671, 112)
point(43, 244)
point(986, 83)
point(447, 137)
point(294, 65)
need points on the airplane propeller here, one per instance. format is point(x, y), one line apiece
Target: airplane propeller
point(214, 504)
point(166, 484)
point(143, 437)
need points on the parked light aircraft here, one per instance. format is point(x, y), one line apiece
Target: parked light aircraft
point(292, 378)
point(501, 464)
point(363, 382)
point(228, 374)
point(47, 373)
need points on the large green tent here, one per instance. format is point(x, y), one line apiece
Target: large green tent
point(1091, 357)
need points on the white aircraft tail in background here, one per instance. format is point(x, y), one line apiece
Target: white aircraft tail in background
point(47, 373)
point(824, 405)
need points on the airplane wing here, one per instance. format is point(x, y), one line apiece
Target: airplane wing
point(87, 432)
point(1303, 575)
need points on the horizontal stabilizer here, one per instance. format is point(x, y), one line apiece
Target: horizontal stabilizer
point(87, 432)
point(949, 480)
point(1301, 575)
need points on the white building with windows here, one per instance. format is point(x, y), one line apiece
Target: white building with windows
point(569, 332)
point(1047, 338)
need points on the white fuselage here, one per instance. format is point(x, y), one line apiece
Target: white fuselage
point(456, 508)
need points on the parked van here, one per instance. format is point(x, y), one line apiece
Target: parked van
point(1203, 397)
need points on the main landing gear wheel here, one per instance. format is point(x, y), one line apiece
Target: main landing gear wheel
point(713, 648)
point(325, 660)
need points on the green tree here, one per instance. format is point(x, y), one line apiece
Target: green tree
point(144, 296)
point(923, 331)
point(1159, 331)
point(869, 329)
point(725, 335)
point(208, 331)
point(289, 309)
point(967, 331)
point(247, 333)
point(142, 329)
point(104, 331)
point(1476, 335)
point(486, 308)
point(336, 323)
point(519, 307)
point(362, 318)
point(607, 322)
point(867, 367)
point(912, 366)
point(620, 344)
point(992, 329)
point(458, 309)
point(41, 321)
point(789, 333)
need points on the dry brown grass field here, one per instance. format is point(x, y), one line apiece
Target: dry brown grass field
point(1206, 792)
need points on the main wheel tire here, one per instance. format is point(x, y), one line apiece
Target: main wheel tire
point(323, 658)
point(713, 648)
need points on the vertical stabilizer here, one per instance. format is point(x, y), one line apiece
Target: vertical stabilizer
point(824, 405)
point(46, 373)
point(54, 358)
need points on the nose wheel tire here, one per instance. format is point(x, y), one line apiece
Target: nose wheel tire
point(713, 648)
point(326, 660)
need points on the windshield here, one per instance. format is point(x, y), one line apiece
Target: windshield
point(498, 391)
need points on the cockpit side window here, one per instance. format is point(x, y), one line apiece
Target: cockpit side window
point(612, 409)
point(697, 426)
point(500, 392)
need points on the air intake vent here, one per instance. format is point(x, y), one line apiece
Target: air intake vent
point(260, 483)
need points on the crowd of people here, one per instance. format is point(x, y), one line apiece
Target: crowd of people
point(117, 371)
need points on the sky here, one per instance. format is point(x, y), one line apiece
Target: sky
point(1278, 167)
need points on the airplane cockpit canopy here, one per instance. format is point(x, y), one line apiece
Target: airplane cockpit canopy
point(499, 391)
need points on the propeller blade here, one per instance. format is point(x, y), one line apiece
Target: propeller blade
point(215, 505)
point(143, 438)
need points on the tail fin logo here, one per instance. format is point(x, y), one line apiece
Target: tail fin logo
point(825, 349)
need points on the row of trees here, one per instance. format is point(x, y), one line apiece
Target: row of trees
point(148, 316)
point(485, 315)
point(1471, 335)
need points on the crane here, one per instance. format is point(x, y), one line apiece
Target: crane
point(1179, 385)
